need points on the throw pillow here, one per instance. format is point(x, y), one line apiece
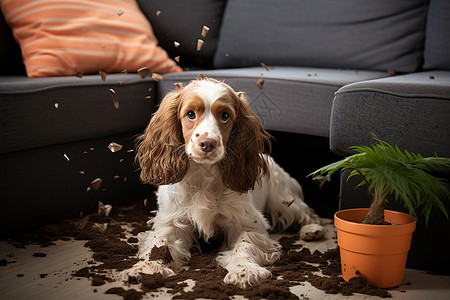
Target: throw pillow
point(347, 34)
point(60, 37)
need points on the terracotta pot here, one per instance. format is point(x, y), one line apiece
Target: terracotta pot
point(376, 252)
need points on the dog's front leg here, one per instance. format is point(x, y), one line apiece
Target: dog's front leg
point(164, 250)
point(247, 257)
point(250, 247)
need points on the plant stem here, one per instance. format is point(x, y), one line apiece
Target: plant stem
point(375, 216)
point(363, 177)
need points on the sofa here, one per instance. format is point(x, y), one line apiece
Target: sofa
point(319, 74)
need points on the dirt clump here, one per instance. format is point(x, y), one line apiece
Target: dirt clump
point(161, 253)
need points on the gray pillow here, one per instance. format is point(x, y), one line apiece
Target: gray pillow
point(348, 34)
point(437, 41)
point(182, 21)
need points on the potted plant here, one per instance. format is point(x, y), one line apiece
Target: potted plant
point(374, 242)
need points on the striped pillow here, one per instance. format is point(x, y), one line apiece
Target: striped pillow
point(68, 36)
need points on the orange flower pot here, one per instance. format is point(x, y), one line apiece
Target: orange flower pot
point(376, 252)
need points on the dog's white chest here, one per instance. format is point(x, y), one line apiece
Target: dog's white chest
point(205, 189)
point(208, 199)
point(206, 205)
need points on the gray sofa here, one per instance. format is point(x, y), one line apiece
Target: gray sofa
point(322, 71)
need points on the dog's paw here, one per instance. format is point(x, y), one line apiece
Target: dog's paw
point(246, 275)
point(311, 232)
point(146, 267)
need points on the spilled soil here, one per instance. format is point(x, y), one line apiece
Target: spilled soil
point(114, 248)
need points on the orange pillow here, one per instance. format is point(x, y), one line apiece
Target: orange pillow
point(68, 36)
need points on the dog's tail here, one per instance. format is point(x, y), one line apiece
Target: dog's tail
point(285, 205)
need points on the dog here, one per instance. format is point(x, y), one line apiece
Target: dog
point(204, 147)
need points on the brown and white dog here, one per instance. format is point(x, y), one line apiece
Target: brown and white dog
point(204, 148)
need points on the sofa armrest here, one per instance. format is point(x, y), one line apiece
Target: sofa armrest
point(411, 111)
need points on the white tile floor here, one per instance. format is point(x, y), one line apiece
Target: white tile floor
point(68, 256)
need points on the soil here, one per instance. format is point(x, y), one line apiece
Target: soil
point(161, 253)
point(114, 251)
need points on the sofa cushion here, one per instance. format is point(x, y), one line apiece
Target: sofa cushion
point(60, 38)
point(437, 41)
point(190, 18)
point(349, 34)
point(411, 111)
point(291, 99)
point(35, 112)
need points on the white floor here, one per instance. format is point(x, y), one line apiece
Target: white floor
point(68, 256)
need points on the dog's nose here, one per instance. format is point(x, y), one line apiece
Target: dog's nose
point(207, 145)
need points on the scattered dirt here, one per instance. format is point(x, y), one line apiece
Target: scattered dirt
point(130, 294)
point(39, 254)
point(114, 250)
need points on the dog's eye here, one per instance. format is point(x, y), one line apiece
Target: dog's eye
point(224, 117)
point(191, 115)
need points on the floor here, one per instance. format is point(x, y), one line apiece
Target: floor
point(49, 277)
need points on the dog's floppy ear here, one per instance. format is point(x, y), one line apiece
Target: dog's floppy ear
point(244, 164)
point(160, 150)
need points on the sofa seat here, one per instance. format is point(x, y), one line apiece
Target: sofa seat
point(411, 111)
point(71, 108)
point(291, 99)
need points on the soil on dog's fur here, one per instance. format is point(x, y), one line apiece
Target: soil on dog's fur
point(114, 250)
